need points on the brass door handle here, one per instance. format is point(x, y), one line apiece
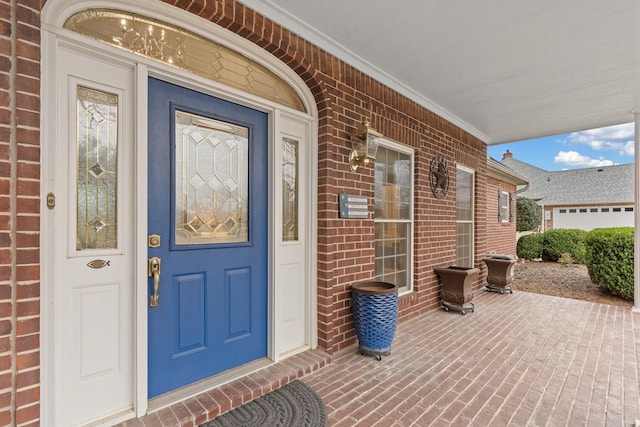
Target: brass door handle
point(154, 268)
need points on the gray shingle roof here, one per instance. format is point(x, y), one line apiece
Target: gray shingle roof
point(504, 173)
point(606, 184)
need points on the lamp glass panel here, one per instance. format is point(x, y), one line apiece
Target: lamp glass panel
point(359, 146)
point(372, 146)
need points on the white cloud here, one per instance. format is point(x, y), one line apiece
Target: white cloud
point(577, 160)
point(628, 149)
point(619, 138)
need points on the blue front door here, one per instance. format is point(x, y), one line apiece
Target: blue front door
point(208, 207)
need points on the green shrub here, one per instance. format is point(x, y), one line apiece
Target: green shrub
point(528, 214)
point(560, 241)
point(530, 246)
point(610, 259)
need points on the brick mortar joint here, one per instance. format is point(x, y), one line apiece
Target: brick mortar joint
point(13, 161)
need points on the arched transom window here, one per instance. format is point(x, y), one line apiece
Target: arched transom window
point(185, 50)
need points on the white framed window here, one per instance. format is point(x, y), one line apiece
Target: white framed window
point(394, 214)
point(465, 194)
point(503, 202)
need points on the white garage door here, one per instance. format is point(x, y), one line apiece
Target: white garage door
point(588, 218)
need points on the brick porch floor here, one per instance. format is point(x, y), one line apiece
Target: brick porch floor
point(521, 359)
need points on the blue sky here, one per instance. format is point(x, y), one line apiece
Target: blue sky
point(591, 148)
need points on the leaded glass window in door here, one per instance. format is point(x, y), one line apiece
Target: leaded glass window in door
point(211, 172)
point(96, 169)
point(290, 199)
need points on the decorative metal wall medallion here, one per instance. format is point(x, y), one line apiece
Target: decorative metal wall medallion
point(439, 177)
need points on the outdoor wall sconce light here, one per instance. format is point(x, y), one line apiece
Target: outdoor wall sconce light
point(364, 143)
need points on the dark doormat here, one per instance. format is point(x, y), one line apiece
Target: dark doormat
point(295, 404)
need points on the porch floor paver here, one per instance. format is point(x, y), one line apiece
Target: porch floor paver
point(519, 359)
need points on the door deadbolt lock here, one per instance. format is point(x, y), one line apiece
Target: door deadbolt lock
point(154, 240)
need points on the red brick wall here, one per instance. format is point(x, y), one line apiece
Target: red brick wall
point(19, 213)
point(344, 97)
point(503, 234)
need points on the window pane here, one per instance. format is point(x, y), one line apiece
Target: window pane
point(464, 244)
point(504, 208)
point(289, 190)
point(393, 202)
point(464, 195)
point(97, 169)
point(464, 218)
point(211, 191)
point(393, 184)
point(393, 252)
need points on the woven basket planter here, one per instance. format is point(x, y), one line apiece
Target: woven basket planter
point(375, 316)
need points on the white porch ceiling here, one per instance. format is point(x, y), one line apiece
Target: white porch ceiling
point(504, 70)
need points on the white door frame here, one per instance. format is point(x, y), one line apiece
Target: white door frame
point(53, 16)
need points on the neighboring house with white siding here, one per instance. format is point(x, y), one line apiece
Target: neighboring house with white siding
point(579, 198)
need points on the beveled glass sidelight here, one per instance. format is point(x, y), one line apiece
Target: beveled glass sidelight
point(290, 190)
point(185, 50)
point(212, 180)
point(96, 169)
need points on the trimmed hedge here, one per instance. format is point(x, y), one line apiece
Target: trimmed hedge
point(530, 246)
point(610, 259)
point(562, 241)
point(553, 245)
